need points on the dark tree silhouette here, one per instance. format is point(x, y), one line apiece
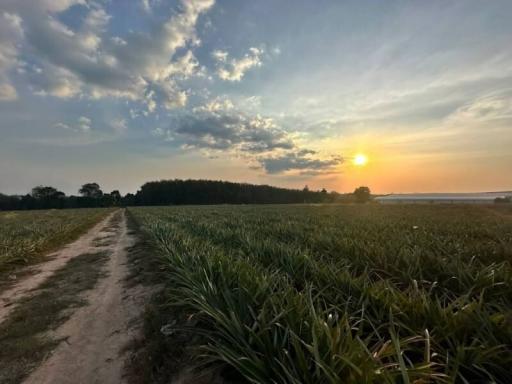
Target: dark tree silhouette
point(177, 192)
point(115, 197)
point(91, 190)
point(362, 194)
point(174, 192)
point(41, 192)
point(503, 200)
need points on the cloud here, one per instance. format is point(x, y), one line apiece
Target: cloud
point(145, 5)
point(216, 105)
point(486, 108)
point(11, 33)
point(57, 82)
point(231, 131)
point(235, 69)
point(7, 92)
point(83, 124)
point(220, 56)
point(119, 125)
point(142, 66)
point(301, 161)
point(219, 127)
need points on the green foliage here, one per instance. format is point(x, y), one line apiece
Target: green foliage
point(341, 294)
point(25, 235)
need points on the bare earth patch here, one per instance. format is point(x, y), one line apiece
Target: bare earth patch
point(97, 335)
point(35, 275)
point(25, 336)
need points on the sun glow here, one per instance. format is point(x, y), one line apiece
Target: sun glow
point(360, 160)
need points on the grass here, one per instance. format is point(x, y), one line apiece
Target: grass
point(25, 236)
point(23, 335)
point(330, 294)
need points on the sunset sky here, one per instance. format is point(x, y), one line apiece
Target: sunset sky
point(279, 92)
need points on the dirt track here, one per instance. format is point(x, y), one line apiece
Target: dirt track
point(38, 273)
point(96, 335)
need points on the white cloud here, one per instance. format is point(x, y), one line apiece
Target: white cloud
point(485, 108)
point(62, 126)
point(117, 40)
point(220, 56)
point(57, 82)
point(119, 125)
point(145, 5)
point(84, 123)
point(183, 67)
point(83, 61)
point(235, 69)
point(218, 104)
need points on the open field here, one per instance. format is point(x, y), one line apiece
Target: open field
point(26, 235)
point(330, 294)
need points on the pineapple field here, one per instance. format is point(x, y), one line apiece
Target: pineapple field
point(332, 293)
point(27, 235)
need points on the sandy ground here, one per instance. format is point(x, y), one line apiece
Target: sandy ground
point(97, 334)
point(38, 273)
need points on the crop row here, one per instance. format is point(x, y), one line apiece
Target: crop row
point(329, 294)
point(25, 235)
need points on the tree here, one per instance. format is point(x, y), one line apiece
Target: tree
point(46, 193)
point(362, 194)
point(503, 200)
point(116, 195)
point(91, 190)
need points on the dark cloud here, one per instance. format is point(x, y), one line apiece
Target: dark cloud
point(234, 131)
point(299, 161)
point(256, 138)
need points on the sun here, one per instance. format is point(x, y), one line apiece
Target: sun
point(360, 160)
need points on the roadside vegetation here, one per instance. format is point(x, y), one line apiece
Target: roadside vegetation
point(330, 294)
point(25, 236)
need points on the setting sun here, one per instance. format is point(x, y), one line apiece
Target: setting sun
point(360, 160)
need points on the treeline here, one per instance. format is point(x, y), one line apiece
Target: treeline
point(177, 192)
point(45, 197)
point(180, 192)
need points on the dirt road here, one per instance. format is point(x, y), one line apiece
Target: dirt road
point(38, 273)
point(97, 334)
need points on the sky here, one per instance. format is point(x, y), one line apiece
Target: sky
point(280, 92)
